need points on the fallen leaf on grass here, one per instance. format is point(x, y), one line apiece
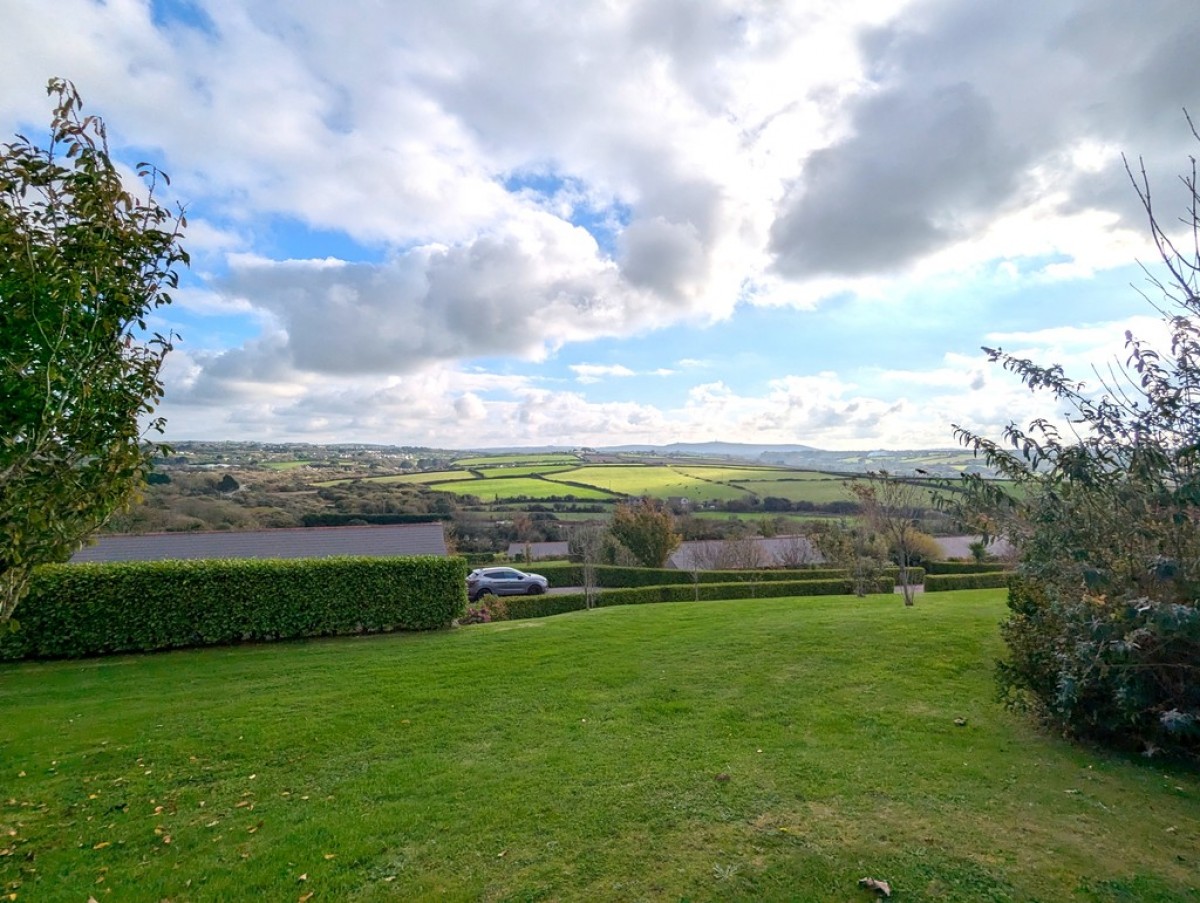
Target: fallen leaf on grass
point(101, 845)
point(329, 856)
point(880, 887)
point(303, 877)
point(304, 898)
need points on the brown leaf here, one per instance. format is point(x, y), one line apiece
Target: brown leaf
point(880, 887)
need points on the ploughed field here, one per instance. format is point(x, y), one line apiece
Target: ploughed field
point(775, 749)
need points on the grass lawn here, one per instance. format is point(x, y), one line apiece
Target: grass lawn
point(755, 750)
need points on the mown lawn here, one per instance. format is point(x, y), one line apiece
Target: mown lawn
point(754, 750)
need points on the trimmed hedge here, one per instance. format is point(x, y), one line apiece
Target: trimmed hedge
point(94, 609)
point(963, 567)
point(939, 583)
point(523, 607)
point(614, 577)
point(916, 575)
point(568, 573)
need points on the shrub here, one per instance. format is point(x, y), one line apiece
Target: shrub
point(93, 609)
point(1108, 669)
point(1104, 636)
point(940, 583)
point(963, 567)
point(569, 574)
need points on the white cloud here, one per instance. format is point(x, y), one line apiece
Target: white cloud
point(723, 155)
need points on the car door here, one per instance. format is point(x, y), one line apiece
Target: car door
point(508, 583)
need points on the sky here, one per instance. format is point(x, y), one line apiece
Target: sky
point(470, 224)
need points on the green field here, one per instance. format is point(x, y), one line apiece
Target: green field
point(747, 474)
point(660, 482)
point(755, 750)
point(535, 460)
point(818, 492)
point(425, 476)
point(285, 465)
point(518, 487)
point(520, 470)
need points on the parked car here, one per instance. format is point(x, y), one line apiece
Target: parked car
point(504, 582)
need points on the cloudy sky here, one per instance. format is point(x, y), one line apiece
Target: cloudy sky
point(469, 224)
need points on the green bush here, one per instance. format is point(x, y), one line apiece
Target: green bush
point(1109, 669)
point(562, 574)
point(93, 609)
point(916, 575)
point(963, 567)
point(940, 583)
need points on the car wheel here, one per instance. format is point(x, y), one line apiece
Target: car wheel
point(483, 592)
point(536, 589)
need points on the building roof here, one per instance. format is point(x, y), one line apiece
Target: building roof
point(376, 541)
point(751, 552)
point(538, 551)
point(960, 546)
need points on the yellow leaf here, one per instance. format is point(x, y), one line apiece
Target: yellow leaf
point(101, 845)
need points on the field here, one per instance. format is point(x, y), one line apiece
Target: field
point(535, 460)
point(751, 474)
point(753, 750)
point(521, 470)
point(660, 482)
point(424, 476)
point(518, 487)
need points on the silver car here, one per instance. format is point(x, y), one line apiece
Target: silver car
point(504, 582)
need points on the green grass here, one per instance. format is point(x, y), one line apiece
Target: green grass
point(426, 476)
point(517, 487)
point(520, 470)
point(537, 460)
point(816, 491)
point(752, 750)
point(285, 465)
point(660, 482)
point(749, 474)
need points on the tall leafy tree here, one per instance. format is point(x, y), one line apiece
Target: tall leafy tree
point(1104, 627)
point(83, 262)
point(646, 529)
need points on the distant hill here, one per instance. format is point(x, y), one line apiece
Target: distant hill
point(719, 449)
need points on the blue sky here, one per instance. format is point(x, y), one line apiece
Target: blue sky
point(469, 224)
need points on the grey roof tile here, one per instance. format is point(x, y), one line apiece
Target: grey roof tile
point(300, 542)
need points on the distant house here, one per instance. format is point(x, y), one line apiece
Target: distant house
point(381, 541)
point(751, 552)
point(538, 551)
point(960, 546)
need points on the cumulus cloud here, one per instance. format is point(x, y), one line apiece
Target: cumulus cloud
point(512, 179)
point(973, 111)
